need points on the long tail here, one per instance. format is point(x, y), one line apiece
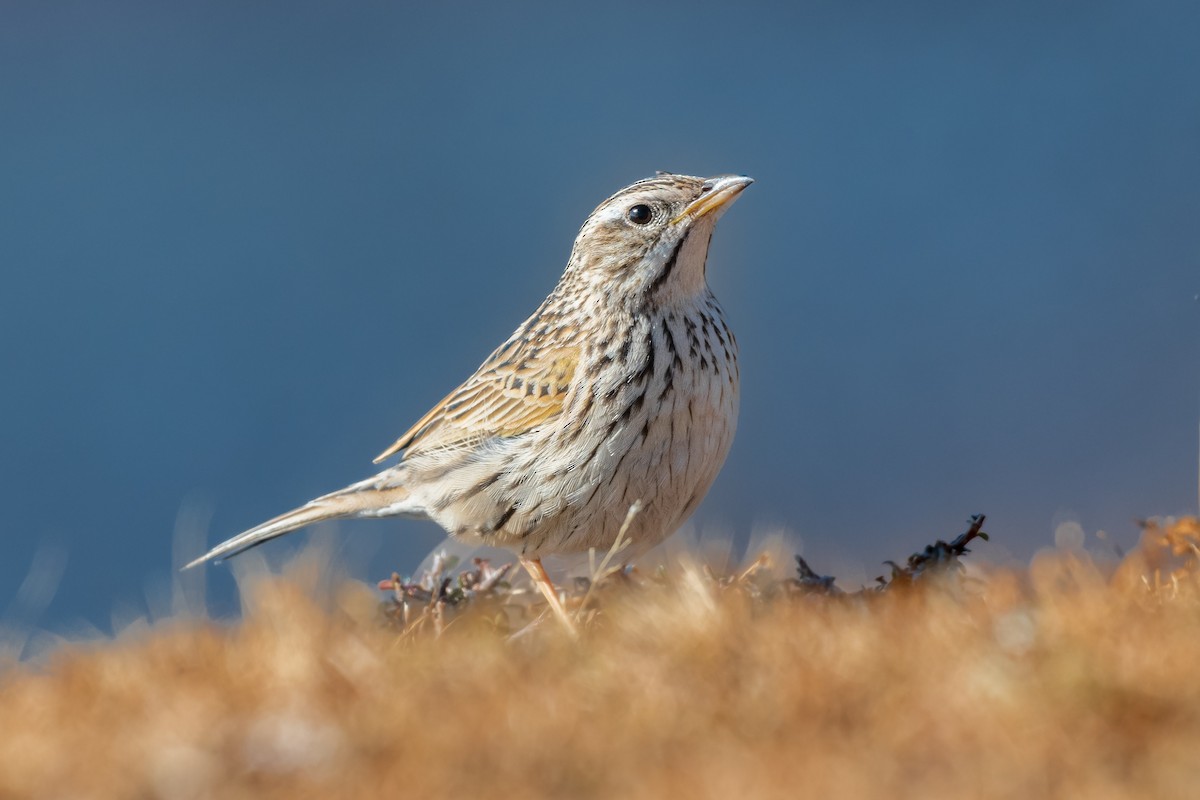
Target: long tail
point(365, 499)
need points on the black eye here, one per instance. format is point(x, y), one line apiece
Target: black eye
point(640, 214)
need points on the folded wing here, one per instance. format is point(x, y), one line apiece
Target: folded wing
point(518, 389)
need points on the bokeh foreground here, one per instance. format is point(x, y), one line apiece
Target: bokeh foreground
point(1071, 678)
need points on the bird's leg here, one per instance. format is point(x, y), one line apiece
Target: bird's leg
point(540, 579)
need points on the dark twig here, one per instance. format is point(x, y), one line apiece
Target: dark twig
point(937, 557)
point(439, 596)
point(809, 582)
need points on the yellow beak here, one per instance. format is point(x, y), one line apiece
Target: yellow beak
point(720, 192)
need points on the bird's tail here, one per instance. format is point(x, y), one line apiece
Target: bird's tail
point(365, 499)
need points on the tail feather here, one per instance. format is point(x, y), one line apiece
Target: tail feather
point(359, 500)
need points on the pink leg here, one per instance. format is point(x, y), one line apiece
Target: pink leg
point(536, 571)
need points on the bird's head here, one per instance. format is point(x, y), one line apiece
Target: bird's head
point(649, 241)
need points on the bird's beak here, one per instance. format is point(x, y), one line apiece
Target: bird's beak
point(718, 194)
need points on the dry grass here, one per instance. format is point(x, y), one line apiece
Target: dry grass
point(1068, 679)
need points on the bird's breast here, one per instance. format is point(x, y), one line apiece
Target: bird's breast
point(650, 418)
point(654, 425)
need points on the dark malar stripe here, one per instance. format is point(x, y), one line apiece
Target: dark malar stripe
point(668, 268)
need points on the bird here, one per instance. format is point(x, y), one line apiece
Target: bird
point(620, 391)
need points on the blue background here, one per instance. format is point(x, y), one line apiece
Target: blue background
point(243, 248)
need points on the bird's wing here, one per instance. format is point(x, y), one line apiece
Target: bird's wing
point(519, 388)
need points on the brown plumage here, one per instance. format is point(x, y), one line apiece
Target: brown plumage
point(622, 387)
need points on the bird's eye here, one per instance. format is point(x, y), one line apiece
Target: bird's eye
point(640, 214)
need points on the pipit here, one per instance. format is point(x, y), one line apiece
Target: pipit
point(621, 388)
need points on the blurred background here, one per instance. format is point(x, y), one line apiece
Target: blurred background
point(242, 249)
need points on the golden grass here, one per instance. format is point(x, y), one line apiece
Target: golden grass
point(1067, 679)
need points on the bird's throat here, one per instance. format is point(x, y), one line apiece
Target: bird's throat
point(683, 274)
